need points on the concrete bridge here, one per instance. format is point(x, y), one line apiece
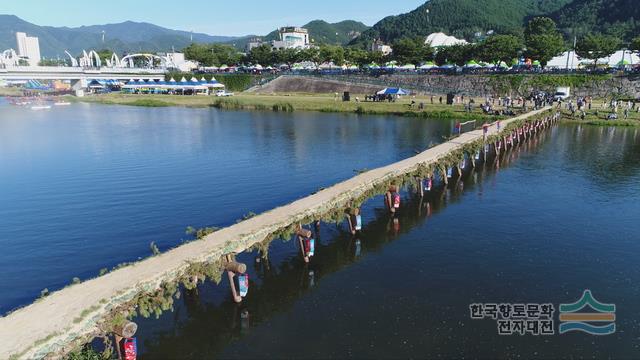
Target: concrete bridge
point(17, 73)
point(55, 323)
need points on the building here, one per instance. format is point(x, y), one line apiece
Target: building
point(292, 38)
point(28, 48)
point(176, 60)
point(253, 43)
point(441, 39)
point(378, 45)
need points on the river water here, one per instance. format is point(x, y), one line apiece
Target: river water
point(549, 220)
point(87, 187)
point(90, 186)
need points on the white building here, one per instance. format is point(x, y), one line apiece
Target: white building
point(177, 60)
point(292, 38)
point(378, 45)
point(28, 47)
point(441, 39)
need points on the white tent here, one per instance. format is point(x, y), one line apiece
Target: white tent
point(442, 39)
point(560, 62)
point(623, 57)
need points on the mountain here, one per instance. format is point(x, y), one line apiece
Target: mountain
point(123, 37)
point(320, 32)
point(461, 18)
point(615, 17)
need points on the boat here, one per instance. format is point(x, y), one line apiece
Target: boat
point(40, 107)
point(62, 103)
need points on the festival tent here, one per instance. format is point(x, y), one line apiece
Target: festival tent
point(536, 63)
point(623, 58)
point(472, 65)
point(560, 62)
point(213, 83)
point(428, 65)
point(441, 39)
point(393, 91)
point(391, 65)
point(328, 66)
point(447, 66)
point(35, 85)
point(408, 67)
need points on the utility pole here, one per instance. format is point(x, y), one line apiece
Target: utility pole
point(575, 41)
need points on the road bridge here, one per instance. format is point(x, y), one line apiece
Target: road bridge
point(75, 74)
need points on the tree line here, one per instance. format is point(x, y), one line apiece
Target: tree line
point(541, 41)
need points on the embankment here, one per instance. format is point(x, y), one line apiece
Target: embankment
point(598, 86)
point(304, 84)
point(57, 323)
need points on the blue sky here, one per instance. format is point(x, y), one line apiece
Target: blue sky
point(214, 17)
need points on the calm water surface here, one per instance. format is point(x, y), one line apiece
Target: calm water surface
point(551, 219)
point(87, 187)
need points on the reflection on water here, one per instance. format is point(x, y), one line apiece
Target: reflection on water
point(537, 225)
point(86, 187)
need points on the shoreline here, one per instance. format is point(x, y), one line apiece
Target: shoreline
point(298, 102)
point(327, 104)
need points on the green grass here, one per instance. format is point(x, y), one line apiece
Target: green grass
point(597, 116)
point(149, 103)
point(297, 102)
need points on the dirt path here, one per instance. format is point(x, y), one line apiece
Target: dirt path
point(50, 324)
point(305, 84)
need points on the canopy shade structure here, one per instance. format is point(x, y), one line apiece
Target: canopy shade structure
point(472, 65)
point(428, 65)
point(393, 91)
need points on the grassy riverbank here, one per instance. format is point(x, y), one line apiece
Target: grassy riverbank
point(10, 91)
point(296, 102)
point(597, 116)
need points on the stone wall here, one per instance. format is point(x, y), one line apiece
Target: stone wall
point(599, 86)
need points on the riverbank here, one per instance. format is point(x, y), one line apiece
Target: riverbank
point(597, 116)
point(299, 102)
point(10, 91)
point(73, 313)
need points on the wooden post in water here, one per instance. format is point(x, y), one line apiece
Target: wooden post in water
point(236, 267)
point(126, 330)
point(444, 175)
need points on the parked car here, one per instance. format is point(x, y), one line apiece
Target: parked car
point(562, 93)
point(223, 93)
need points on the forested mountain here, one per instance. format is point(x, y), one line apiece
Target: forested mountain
point(322, 32)
point(122, 37)
point(461, 18)
point(615, 17)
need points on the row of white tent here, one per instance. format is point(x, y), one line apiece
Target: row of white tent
point(193, 84)
point(569, 60)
